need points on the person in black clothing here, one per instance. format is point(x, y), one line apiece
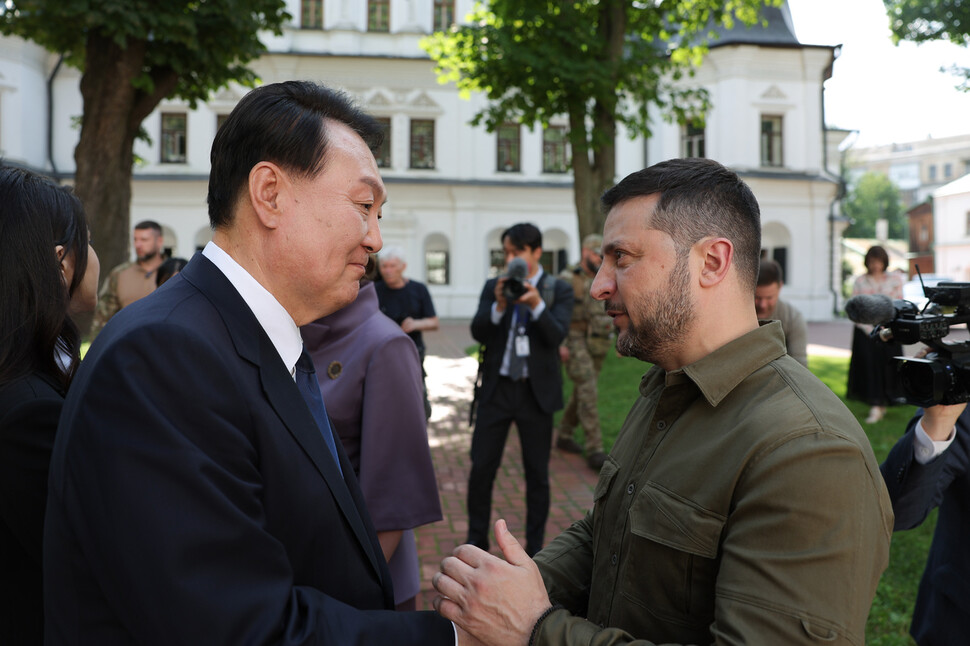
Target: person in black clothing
point(408, 303)
point(521, 383)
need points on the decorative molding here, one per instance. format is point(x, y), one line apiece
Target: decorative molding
point(774, 92)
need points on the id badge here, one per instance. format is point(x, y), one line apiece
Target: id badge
point(522, 346)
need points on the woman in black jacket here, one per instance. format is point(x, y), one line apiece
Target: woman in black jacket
point(48, 272)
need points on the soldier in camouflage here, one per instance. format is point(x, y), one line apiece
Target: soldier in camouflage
point(589, 339)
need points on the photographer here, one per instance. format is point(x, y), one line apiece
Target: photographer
point(522, 318)
point(927, 468)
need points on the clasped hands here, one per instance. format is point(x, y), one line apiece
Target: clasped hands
point(491, 601)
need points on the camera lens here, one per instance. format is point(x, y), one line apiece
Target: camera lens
point(925, 382)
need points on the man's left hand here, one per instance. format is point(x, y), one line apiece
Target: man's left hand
point(496, 601)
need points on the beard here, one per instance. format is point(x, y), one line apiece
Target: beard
point(664, 318)
point(151, 255)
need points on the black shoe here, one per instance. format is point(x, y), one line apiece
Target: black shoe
point(596, 460)
point(569, 445)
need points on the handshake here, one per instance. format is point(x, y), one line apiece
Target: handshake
point(492, 601)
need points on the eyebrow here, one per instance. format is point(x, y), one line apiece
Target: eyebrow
point(377, 186)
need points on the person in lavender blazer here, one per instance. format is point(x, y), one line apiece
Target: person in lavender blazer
point(370, 376)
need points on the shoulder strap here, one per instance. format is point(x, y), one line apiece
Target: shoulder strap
point(548, 289)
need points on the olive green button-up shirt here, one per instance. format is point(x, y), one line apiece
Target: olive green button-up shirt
point(741, 504)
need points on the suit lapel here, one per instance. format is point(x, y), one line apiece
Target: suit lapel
point(281, 391)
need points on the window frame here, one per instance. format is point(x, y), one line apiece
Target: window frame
point(774, 146)
point(315, 10)
point(181, 139)
point(556, 156)
point(379, 16)
point(421, 142)
point(508, 149)
point(443, 16)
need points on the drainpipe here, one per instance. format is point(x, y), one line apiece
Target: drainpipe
point(50, 115)
point(839, 194)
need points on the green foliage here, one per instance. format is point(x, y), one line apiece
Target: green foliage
point(921, 21)
point(874, 196)
point(539, 59)
point(207, 43)
point(892, 609)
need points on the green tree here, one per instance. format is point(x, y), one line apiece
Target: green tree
point(874, 197)
point(920, 21)
point(599, 62)
point(132, 54)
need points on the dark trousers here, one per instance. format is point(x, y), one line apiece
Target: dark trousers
point(512, 401)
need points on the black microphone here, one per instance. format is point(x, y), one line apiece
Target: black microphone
point(518, 269)
point(870, 309)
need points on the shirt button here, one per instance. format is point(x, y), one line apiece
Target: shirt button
point(630, 489)
point(661, 425)
point(614, 559)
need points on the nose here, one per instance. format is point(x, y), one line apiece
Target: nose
point(373, 241)
point(604, 284)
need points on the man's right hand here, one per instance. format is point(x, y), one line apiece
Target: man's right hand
point(938, 421)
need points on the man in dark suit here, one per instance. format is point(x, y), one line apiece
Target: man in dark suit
point(521, 381)
point(196, 497)
point(930, 467)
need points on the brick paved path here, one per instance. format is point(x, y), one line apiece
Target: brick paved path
point(451, 374)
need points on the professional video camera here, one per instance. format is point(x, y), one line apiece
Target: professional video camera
point(515, 277)
point(943, 375)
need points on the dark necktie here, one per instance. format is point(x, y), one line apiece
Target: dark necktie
point(306, 380)
point(520, 319)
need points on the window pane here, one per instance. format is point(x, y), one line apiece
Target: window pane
point(436, 267)
point(508, 147)
point(692, 141)
point(555, 150)
point(220, 119)
point(378, 15)
point(384, 154)
point(311, 14)
point(173, 138)
point(496, 262)
point(444, 14)
point(771, 141)
point(422, 143)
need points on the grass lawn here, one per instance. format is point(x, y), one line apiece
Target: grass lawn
point(891, 611)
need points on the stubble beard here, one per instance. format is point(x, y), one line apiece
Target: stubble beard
point(665, 318)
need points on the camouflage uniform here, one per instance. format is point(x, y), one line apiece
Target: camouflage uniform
point(589, 339)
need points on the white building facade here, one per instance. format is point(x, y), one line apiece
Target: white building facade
point(951, 223)
point(454, 188)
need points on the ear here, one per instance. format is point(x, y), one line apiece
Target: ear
point(267, 182)
point(66, 260)
point(717, 256)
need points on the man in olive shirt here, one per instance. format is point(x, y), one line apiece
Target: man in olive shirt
point(770, 308)
point(131, 280)
point(741, 503)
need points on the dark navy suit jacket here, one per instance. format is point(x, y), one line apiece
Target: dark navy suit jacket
point(545, 335)
point(193, 499)
point(942, 612)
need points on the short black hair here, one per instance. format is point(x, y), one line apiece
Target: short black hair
point(149, 224)
point(523, 235)
point(770, 273)
point(283, 123)
point(698, 198)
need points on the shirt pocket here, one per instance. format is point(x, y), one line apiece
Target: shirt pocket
point(672, 555)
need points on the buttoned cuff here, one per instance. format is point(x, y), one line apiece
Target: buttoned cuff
point(926, 450)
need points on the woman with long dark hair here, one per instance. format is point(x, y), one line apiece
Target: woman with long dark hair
point(48, 272)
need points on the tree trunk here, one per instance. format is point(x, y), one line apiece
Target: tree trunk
point(591, 177)
point(113, 112)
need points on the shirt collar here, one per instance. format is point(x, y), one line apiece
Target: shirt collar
point(745, 355)
point(274, 319)
point(534, 281)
